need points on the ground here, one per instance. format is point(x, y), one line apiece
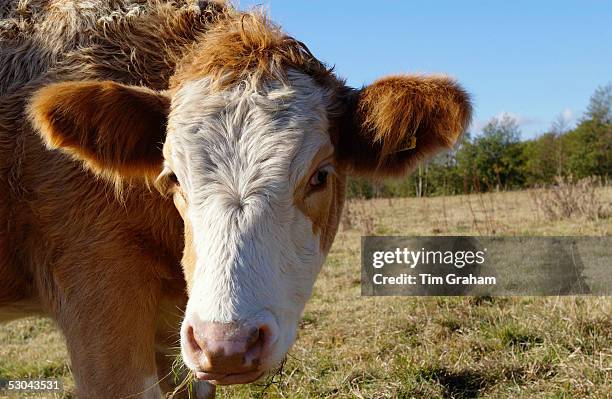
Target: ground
point(391, 347)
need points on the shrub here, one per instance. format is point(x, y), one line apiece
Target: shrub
point(569, 197)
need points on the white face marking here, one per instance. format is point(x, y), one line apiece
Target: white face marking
point(239, 155)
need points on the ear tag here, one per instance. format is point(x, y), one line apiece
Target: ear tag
point(411, 145)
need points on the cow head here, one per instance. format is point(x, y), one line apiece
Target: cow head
point(253, 140)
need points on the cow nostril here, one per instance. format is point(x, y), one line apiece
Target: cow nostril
point(193, 342)
point(254, 338)
point(265, 335)
point(227, 348)
point(256, 346)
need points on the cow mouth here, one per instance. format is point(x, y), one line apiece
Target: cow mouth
point(229, 379)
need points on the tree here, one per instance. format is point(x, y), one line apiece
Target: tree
point(497, 155)
point(600, 106)
point(358, 187)
point(542, 159)
point(504, 129)
point(588, 149)
point(589, 146)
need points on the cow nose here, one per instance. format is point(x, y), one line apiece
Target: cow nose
point(226, 348)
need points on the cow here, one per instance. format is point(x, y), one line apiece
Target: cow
point(176, 171)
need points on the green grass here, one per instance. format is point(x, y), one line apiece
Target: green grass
point(391, 347)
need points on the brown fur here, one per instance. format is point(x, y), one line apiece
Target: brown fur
point(68, 248)
point(89, 120)
point(322, 206)
point(247, 47)
point(397, 121)
point(104, 268)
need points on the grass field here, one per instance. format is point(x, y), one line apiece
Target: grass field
point(391, 347)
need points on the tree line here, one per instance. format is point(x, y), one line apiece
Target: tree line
point(498, 160)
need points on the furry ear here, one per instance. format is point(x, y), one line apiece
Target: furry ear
point(113, 128)
point(397, 121)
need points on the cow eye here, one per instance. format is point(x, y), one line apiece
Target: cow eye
point(319, 178)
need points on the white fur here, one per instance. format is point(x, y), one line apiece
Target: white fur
point(238, 155)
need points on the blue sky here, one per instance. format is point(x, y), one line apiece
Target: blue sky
point(532, 59)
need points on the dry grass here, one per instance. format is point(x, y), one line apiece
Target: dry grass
point(358, 216)
point(568, 198)
point(356, 347)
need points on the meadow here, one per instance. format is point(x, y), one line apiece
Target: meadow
point(351, 346)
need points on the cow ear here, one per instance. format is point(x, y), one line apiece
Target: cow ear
point(115, 129)
point(398, 121)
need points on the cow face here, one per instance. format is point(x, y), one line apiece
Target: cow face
point(257, 170)
point(253, 175)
